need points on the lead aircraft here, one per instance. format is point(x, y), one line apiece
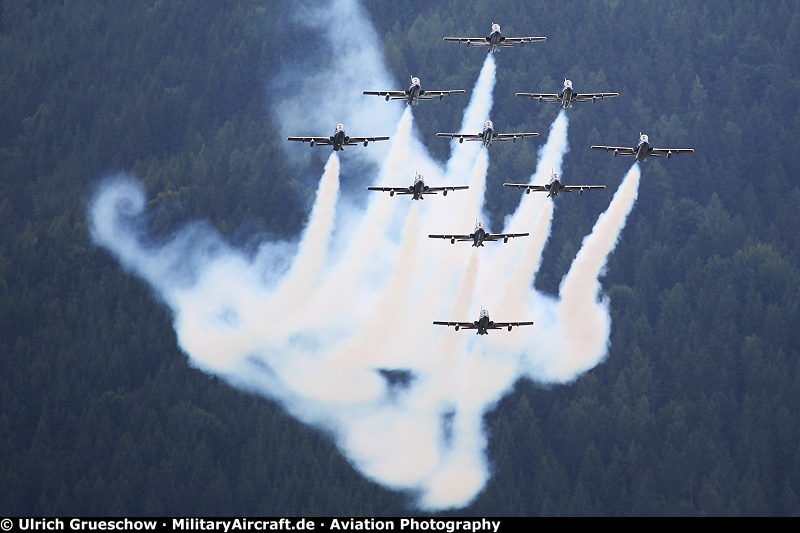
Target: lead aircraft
point(483, 324)
point(495, 40)
point(338, 140)
point(487, 136)
point(479, 236)
point(418, 189)
point(643, 149)
point(554, 187)
point(414, 93)
point(567, 96)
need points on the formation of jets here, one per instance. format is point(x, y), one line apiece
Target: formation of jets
point(418, 189)
point(554, 187)
point(479, 235)
point(414, 94)
point(487, 136)
point(567, 96)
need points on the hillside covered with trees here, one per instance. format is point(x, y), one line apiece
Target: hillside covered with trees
point(695, 410)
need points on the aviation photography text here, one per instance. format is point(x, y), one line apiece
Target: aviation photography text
point(248, 524)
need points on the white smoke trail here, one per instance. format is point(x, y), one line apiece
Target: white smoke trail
point(343, 339)
point(586, 321)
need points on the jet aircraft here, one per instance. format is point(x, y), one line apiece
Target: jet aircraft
point(487, 136)
point(338, 140)
point(495, 40)
point(479, 235)
point(418, 189)
point(643, 149)
point(483, 324)
point(414, 93)
point(554, 187)
point(567, 96)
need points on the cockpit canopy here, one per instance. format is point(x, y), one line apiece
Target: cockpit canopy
point(484, 313)
point(488, 125)
point(418, 178)
point(478, 225)
point(567, 84)
point(339, 126)
point(414, 80)
point(495, 27)
point(643, 138)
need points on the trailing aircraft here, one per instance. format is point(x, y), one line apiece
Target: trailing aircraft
point(338, 140)
point(418, 189)
point(414, 93)
point(495, 40)
point(479, 235)
point(554, 187)
point(643, 149)
point(483, 324)
point(567, 96)
point(487, 136)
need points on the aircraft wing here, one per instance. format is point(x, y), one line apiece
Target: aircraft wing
point(429, 95)
point(512, 136)
point(619, 150)
point(583, 97)
point(395, 190)
point(498, 236)
point(393, 95)
point(461, 325)
point(545, 97)
point(465, 136)
point(670, 151)
point(580, 188)
point(470, 41)
point(458, 238)
point(321, 141)
point(501, 325)
point(456, 188)
point(540, 188)
point(510, 41)
point(355, 140)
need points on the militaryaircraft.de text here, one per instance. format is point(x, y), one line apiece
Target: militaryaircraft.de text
point(479, 235)
point(483, 324)
point(554, 187)
point(338, 140)
point(643, 149)
point(414, 93)
point(487, 136)
point(418, 189)
point(495, 40)
point(567, 96)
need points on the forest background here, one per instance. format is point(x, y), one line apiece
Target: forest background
point(694, 412)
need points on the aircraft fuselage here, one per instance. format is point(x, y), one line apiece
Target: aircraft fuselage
point(495, 39)
point(553, 187)
point(488, 135)
point(418, 189)
point(566, 97)
point(642, 151)
point(339, 139)
point(483, 325)
point(478, 237)
point(413, 93)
